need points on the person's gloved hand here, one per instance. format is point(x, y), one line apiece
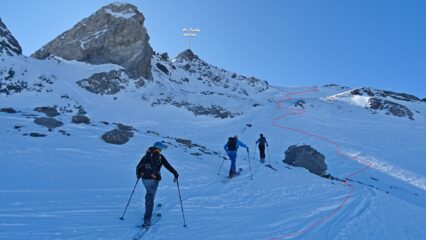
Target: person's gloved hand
point(137, 176)
point(247, 150)
point(176, 177)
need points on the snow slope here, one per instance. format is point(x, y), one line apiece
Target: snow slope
point(76, 187)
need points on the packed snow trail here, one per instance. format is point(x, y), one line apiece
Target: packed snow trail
point(295, 111)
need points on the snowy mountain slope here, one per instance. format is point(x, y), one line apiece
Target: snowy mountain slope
point(89, 181)
point(391, 103)
point(66, 182)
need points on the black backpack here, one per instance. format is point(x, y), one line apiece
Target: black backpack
point(232, 144)
point(262, 141)
point(150, 164)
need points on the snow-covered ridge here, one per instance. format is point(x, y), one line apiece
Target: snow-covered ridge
point(362, 101)
point(391, 103)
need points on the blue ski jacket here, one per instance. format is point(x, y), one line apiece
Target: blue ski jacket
point(239, 143)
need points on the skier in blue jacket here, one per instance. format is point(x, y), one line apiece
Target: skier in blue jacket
point(231, 148)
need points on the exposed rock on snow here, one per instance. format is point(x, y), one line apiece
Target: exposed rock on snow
point(8, 43)
point(214, 76)
point(187, 55)
point(162, 68)
point(213, 110)
point(78, 119)
point(184, 142)
point(300, 103)
point(120, 135)
point(164, 56)
point(307, 157)
point(114, 34)
point(391, 107)
point(49, 111)
point(105, 83)
point(13, 80)
point(383, 93)
point(48, 122)
point(64, 132)
point(392, 103)
point(7, 110)
point(125, 127)
point(7, 85)
point(34, 134)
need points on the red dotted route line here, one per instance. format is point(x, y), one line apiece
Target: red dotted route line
point(295, 111)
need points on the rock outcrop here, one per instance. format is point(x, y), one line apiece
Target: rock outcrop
point(105, 83)
point(187, 55)
point(391, 108)
point(49, 111)
point(7, 110)
point(8, 44)
point(79, 119)
point(114, 34)
point(307, 157)
point(385, 94)
point(48, 122)
point(120, 135)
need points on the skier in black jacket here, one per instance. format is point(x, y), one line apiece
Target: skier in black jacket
point(149, 170)
point(261, 144)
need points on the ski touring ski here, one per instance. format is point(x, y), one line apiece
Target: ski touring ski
point(238, 174)
point(271, 167)
point(156, 216)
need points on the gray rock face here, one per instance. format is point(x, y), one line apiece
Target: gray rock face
point(113, 34)
point(34, 134)
point(8, 44)
point(120, 135)
point(105, 83)
point(8, 110)
point(162, 68)
point(383, 93)
point(48, 122)
point(213, 110)
point(79, 119)
point(307, 157)
point(187, 55)
point(184, 142)
point(49, 111)
point(391, 108)
point(164, 57)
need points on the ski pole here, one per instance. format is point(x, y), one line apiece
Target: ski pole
point(221, 165)
point(254, 155)
point(251, 175)
point(128, 202)
point(181, 205)
point(269, 155)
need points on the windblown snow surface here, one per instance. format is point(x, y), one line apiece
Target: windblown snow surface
point(76, 187)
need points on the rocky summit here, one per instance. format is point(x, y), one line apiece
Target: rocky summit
point(114, 34)
point(187, 55)
point(8, 44)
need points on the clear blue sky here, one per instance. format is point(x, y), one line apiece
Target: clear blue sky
point(378, 43)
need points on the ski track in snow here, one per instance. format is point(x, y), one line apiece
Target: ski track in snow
point(295, 111)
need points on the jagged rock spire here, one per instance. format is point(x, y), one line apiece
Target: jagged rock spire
point(8, 44)
point(113, 34)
